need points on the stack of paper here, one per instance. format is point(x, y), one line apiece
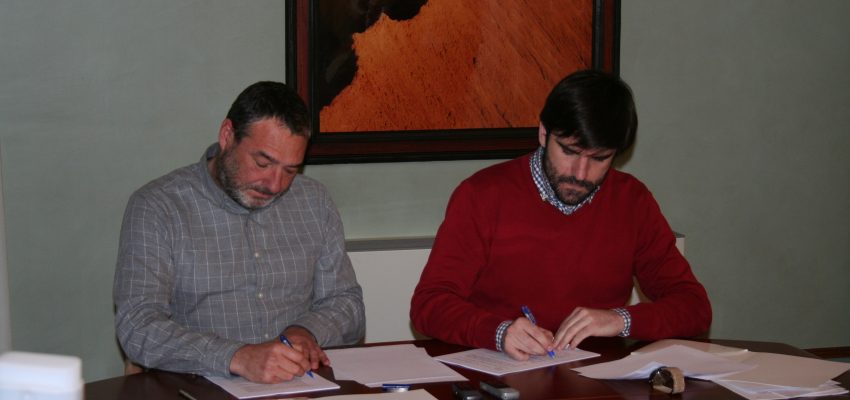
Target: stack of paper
point(693, 363)
point(374, 366)
point(496, 363)
point(713, 348)
point(244, 389)
point(756, 376)
point(418, 394)
point(779, 376)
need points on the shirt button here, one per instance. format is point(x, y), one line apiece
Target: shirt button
point(267, 336)
point(257, 255)
point(260, 296)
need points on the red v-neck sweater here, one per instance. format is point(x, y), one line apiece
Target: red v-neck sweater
point(500, 246)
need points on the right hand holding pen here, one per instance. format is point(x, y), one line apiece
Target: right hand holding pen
point(270, 362)
point(524, 339)
point(304, 340)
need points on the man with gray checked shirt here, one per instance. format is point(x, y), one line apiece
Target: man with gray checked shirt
point(218, 259)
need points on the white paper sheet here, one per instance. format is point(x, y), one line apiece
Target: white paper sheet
point(374, 366)
point(245, 389)
point(753, 375)
point(785, 370)
point(496, 363)
point(692, 362)
point(712, 348)
point(758, 391)
point(419, 394)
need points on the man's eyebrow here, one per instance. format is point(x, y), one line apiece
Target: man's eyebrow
point(570, 147)
point(275, 161)
point(602, 152)
point(267, 157)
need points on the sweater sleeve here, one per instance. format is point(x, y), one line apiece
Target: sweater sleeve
point(679, 304)
point(440, 307)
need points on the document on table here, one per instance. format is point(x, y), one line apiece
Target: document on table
point(753, 375)
point(713, 348)
point(418, 394)
point(496, 363)
point(244, 389)
point(376, 365)
point(785, 370)
point(692, 362)
point(758, 391)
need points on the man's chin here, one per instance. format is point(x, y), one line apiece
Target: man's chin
point(573, 198)
point(253, 203)
point(262, 203)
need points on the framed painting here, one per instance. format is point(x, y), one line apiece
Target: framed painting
point(417, 80)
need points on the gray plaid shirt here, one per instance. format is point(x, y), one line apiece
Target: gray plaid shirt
point(199, 276)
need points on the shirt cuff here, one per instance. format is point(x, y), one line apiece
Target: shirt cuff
point(220, 360)
point(627, 321)
point(500, 334)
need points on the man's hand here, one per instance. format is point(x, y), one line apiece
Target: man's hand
point(586, 322)
point(306, 343)
point(523, 339)
point(270, 362)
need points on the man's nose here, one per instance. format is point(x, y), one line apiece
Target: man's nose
point(581, 168)
point(275, 181)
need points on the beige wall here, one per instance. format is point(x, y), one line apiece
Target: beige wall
point(744, 114)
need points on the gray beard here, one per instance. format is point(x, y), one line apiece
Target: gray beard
point(227, 171)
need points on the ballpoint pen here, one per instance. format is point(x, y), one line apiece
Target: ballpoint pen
point(186, 394)
point(395, 387)
point(286, 341)
point(528, 315)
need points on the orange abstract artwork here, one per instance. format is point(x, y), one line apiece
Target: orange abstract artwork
point(419, 65)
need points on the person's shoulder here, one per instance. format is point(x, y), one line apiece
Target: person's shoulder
point(504, 172)
point(313, 192)
point(624, 178)
point(626, 184)
point(307, 185)
point(176, 181)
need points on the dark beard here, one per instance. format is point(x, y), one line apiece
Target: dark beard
point(567, 196)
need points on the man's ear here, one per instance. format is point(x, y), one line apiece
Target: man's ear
point(226, 134)
point(541, 135)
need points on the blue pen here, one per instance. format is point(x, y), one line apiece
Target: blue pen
point(395, 387)
point(528, 315)
point(286, 341)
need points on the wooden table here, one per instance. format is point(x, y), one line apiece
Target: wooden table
point(557, 382)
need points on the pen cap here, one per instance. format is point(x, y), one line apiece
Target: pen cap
point(39, 376)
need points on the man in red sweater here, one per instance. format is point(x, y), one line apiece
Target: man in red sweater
point(561, 232)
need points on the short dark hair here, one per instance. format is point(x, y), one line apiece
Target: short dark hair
point(268, 99)
point(593, 106)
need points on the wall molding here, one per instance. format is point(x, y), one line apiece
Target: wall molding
point(831, 352)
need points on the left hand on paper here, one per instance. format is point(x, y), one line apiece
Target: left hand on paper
point(585, 322)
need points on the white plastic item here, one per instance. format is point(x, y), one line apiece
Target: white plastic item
point(37, 376)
